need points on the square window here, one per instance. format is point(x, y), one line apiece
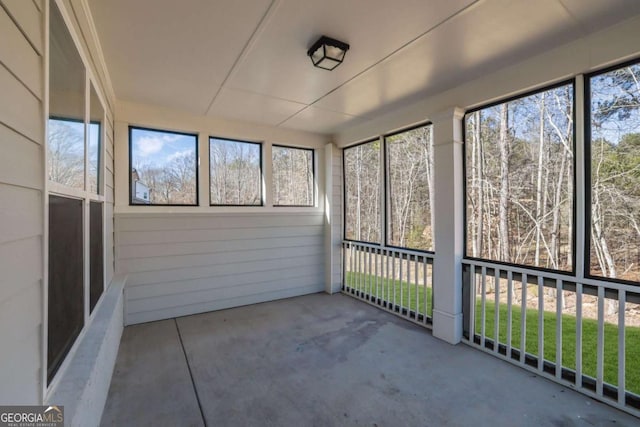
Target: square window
point(236, 172)
point(293, 178)
point(163, 167)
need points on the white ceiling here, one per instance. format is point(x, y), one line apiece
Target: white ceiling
point(246, 59)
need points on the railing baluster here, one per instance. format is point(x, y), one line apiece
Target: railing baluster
point(401, 283)
point(472, 302)
point(622, 299)
point(509, 311)
point(378, 276)
point(393, 266)
point(424, 286)
point(579, 335)
point(523, 319)
point(344, 268)
point(600, 348)
point(540, 323)
point(369, 277)
point(353, 276)
point(416, 280)
point(363, 275)
point(557, 284)
point(361, 269)
point(559, 328)
point(496, 316)
point(387, 281)
point(483, 296)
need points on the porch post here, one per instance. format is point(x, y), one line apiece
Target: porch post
point(449, 224)
point(333, 218)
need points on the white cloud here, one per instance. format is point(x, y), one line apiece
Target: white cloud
point(149, 145)
point(179, 154)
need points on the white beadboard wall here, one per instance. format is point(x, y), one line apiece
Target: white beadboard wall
point(21, 201)
point(184, 263)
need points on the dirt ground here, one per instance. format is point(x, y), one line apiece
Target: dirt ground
point(589, 304)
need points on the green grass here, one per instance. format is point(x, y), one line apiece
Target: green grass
point(406, 293)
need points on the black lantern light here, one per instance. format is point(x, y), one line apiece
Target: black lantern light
point(327, 53)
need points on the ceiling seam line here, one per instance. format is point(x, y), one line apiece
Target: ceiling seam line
point(246, 48)
point(576, 21)
point(447, 19)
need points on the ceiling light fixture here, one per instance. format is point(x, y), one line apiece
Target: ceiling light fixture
point(327, 53)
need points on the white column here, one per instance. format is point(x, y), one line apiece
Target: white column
point(449, 224)
point(332, 219)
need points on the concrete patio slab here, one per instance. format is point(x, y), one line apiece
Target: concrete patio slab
point(323, 360)
point(151, 384)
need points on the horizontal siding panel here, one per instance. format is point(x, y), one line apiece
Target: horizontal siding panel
point(109, 242)
point(108, 179)
point(21, 265)
point(109, 132)
point(19, 114)
point(183, 264)
point(109, 162)
point(182, 236)
point(20, 326)
point(30, 19)
point(170, 312)
point(24, 166)
point(196, 248)
point(20, 213)
point(188, 298)
point(164, 263)
point(154, 278)
point(192, 222)
point(18, 56)
point(236, 281)
point(108, 194)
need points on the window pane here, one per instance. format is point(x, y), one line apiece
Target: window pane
point(65, 161)
point(164, 167)
point(519, 171)
point(96, 254)
point(362, 187)
point(292, 176)
point(66, 289)
point(236, 176)
point(615, 174)
point(410, 178)
point(95, 143)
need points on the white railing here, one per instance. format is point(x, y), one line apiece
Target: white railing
point(397, 280)
point(582, 333)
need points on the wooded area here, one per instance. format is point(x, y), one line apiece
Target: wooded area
point(409, 177)
point(173, 182)
point(167, 163)
point(292, 170)
point(615, 173)
point(519, 166)
point(236, 176)
point(65, 156)
point(362, 192)
point(410, 180)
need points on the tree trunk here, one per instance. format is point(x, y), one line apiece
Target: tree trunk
point(504, 185)
point(538, 224)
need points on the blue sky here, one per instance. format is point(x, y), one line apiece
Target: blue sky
point(159, 148)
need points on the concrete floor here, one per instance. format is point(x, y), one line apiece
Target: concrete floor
point(323, 360)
